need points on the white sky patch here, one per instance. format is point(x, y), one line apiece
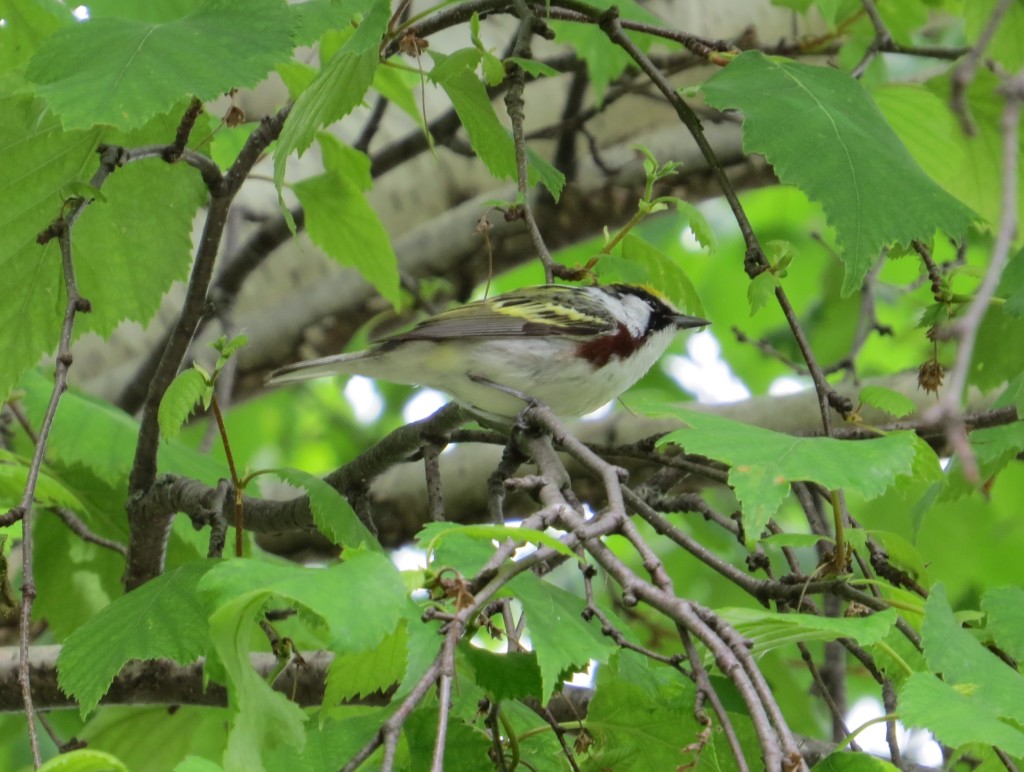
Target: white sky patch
point(704, 373)
point(916, 744)
point(422, 404)
point(585, 679)
point(362, 395)
point(409, 558)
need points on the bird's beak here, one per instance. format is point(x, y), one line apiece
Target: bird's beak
point(684, 322)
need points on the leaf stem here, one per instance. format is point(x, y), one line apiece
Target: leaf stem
point(236, 482)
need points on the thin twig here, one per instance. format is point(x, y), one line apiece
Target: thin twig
point(444, 695)
point(110, 159)
point(882, 38)
point(515, 106)
point(80, 529)
point(963, 73)
point(966, 328)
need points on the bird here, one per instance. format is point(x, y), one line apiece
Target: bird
point(571, 348)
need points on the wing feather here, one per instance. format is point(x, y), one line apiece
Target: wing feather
point(569, 311)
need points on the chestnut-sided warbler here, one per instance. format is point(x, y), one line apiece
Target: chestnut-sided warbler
point(571, 348)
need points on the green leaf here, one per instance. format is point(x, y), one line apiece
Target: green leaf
point(332, 513)
point(361, 673)
point(768, 630)
point(605, 61)
point(561, 639)
point(467, 749)
point(340, 220)
point(960, 657)
point(822, 133)
point(640, 718)
point(399, 86)
point(336, 91)
point(180, 399)
point(227, 348)
point(261, 717)
point(27, 23)
point(453, 549)
point(535, 68)
point(198, 764)
point(492, 143)
point(94, 434)
point(1005, 609)
point(979, 698)
point(122, 72)
point(121, 269)
point(330, 742)
point(315, 16)
point(508, 676)
point(994, 363)
point(764, 463)
point(359, 603)
point(50, 491)
point(953, 717)
point(162, 619)
point(902, 553)
point(365, 587)
point(892, 402)
point(993, 448)
point(84, 760)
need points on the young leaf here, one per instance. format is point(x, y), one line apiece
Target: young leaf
point(821, 132)
point(337, 90)
point(892, 402)
point(761, 290)
point(332, 513)
point(122, 72)
point(340, 220)
point(455, 74)
point(180, 399)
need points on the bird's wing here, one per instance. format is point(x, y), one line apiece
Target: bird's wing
point(558, 311)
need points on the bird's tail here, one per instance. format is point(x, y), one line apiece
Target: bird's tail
point(338, 364)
